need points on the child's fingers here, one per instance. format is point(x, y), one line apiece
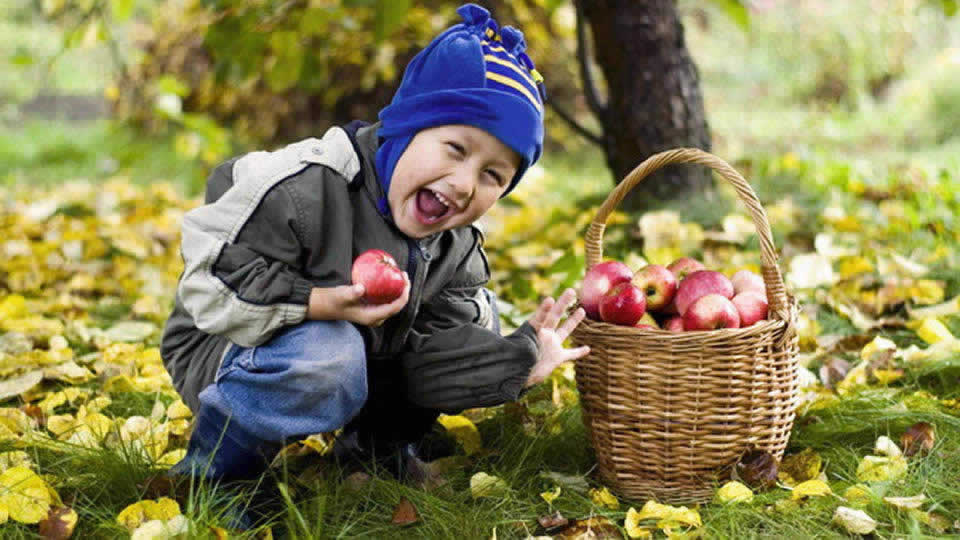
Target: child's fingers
point(579, 352)
point(350, 294)
point(537, 320)
point(556, 311)
point(572, 321)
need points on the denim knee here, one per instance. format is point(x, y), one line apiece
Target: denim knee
point(337, 343)
point(308, 378)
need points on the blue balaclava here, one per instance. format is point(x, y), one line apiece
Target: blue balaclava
point(476, 74)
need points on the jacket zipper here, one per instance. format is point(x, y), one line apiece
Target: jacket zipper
point(413, 248)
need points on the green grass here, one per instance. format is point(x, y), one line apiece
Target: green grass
point(43, 152)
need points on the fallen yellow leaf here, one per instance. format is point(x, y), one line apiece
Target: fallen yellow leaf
point(464, 431)
point(669, 516)
point(632, 525)
point(906, 502)
point(854, 521)
point(551, 496)
point(603, 497)
point(733, 492)
point(811, 488)
point(24, 495)
point(933, 331)
point(858, 496)
point(486, 485)
point(880, 468)
point(140, 512)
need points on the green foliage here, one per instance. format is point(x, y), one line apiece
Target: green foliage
point(254, 73)
point(736, 10)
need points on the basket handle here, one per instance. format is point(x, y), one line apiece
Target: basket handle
point(776, 292)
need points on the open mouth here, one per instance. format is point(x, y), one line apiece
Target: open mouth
point(432, 207)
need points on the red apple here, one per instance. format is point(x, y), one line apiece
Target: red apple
point(685, 265)
point(700, 283)
point(657, 283)
point(600, 278)
point(745, 280)
point(674, 324)
point(624, 304)
point(710, 312)
point(383, 281)
point(751, 306)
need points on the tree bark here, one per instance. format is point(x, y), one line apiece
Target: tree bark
point(654, 101)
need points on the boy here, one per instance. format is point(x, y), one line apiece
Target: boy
point(269, 343)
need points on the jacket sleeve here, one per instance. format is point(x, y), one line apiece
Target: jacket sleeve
point(241, 257)
point(457, 358)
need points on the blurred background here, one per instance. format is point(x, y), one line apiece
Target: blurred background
point(843, 115)
point(160, 90)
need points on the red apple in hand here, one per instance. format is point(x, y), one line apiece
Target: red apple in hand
point(710, 312)
point(685, 265)
point(600, 278)
point(383, 281)
point(745, 280)
point(624, 305)
point(657, 283)
point(701, 283)
point(751, 306)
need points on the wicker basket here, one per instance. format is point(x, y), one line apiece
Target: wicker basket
point(670, 413)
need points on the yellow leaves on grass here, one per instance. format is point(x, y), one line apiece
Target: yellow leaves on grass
point(603, 497)
point(140, 512)
point(464, 431)
point(881, 468)
point(667, 518)
point(800, 467)
point(854, 521)
point(733, 492)
point(551, 496)
point(24, 496)
point(154, 519)
point(486, 485)
point(932, 331)
point(891, 465)
point(811, 488)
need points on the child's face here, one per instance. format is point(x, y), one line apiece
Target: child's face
point(447, 177)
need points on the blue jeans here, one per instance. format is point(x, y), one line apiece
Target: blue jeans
point(309, 378)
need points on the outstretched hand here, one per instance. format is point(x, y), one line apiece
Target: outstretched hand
point(551, 338)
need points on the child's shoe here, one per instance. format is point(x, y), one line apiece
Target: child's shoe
point(219, 449)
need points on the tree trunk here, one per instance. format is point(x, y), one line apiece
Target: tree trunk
point(654, 99)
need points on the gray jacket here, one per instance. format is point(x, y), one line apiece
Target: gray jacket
point(277, 224)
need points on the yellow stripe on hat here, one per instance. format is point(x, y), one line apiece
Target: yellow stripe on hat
point(496, 48)
point(511, 65)
point(507, 81)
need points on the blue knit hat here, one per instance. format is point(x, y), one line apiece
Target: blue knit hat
point(476, 74)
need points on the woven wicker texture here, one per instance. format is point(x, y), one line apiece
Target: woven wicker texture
point(670, 413)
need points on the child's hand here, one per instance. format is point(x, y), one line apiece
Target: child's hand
point(346, 303)
point(551, 338)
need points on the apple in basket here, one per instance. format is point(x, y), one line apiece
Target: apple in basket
point(701, 283)
point(745, 280)
point(711, 312)
point(751, 306)
point(383, 281)
point(673, 324)
point(624, 304)
point(599, 279)
point(647, 321)
point(657, 283)
point(685, 265)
